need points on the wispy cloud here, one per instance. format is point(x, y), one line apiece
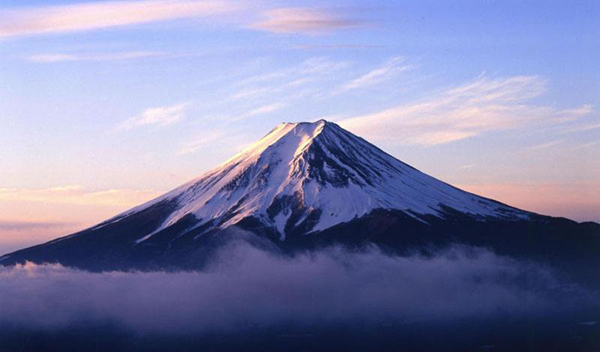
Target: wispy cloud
point(16, 225)
point(205, 139)
point(313, 67)
point(31, 216)
point(584, 128)
point(261, 110)
point(77, 195)
point(48, 58)
point(304, 20)
point(273, 91)
point(465, 167)
point(583, 110)
point(380, 74)
point(289, 84)
point(99, 15)
point(337, 46)
point(480, 106)
point(585, 145)
point(544, 145)
point(160, 116)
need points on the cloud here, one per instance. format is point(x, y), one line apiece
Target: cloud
point(303, 20)
point(585, 145)
point(283, 86)
point(77, 195)
point(545, 145)
point(33, 216)
point(337, 46)
point(482, 105)
point(274, 91)
point(584, 128)
point(246, 289)
point(28, 225)
point(261, 110)
point(100, 15)
point(48, 58)
point(583, 110)
point(313, 67)
point(17, 234)
point(204, 140)
point(161, 116)
point(383, 73)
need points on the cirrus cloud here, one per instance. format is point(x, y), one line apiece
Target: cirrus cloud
point(159, 116)
point(389, 69)
point(47, 58)
point(99, 15)
point(482, 105)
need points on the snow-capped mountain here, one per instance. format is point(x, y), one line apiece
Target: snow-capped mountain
point(314, 176)
point(306, 185)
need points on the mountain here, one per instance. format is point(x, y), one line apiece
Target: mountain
point(306, 185)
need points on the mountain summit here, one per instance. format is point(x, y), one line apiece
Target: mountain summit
point(309, 177)
point(306, 185)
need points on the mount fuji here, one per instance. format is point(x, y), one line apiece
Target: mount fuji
point(307, 185)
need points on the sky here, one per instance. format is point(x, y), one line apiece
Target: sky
point(107, 104)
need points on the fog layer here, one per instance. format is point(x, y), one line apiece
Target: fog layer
point(249, 288)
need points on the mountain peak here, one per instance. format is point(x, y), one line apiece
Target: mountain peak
point(309, 176)
point(299, 133)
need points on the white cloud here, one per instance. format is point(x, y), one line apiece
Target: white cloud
point(314, 67)
point(544, 145)
point(77, 195)
point(261, 110)
point(480, 106)
point(202, 141)
point(161, 116)
point(46, 58)
point(585, 145)
point(584, 128)
point(247, 289)
point(383, 73)
point(282, 87)
point(17, 225)
point(99, 15)
point(303, 20)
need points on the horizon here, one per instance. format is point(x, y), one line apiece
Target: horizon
point(102, 115)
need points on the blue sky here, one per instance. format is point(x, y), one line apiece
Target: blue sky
point(107, 104)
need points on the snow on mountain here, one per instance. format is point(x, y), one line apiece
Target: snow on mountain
point(314, 176)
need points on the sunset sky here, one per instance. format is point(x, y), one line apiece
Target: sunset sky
point(108, 104)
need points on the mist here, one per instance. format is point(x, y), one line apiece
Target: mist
point(249, 288)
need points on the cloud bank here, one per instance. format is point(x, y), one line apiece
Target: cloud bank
point(249, 288)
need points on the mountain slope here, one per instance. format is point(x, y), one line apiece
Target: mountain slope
point(305, 185)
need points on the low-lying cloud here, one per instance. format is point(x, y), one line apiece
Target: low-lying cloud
point(249, 288)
